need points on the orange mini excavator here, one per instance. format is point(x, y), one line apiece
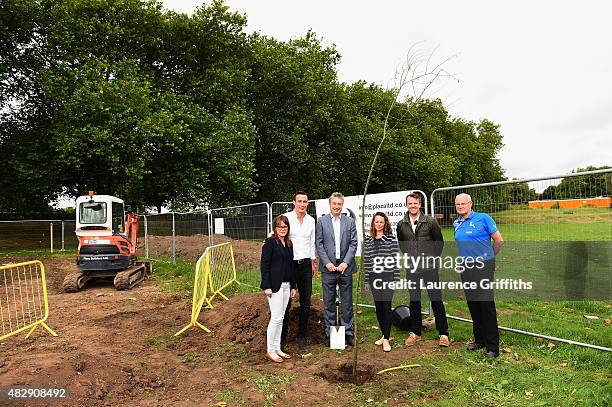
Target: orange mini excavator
point(107, 244)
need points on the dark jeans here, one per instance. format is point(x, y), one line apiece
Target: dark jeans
point(345, 283)
point(384, 314)
point(435, 296)
point(304, 286)
point(482, 306)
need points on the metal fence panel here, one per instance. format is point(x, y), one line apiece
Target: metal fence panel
point(558, 234)
point(70, 240)
point(23, 299)
point(156, 239)
point(279, 208)
point(247, 226)
point(174, 235)
point(36, 235)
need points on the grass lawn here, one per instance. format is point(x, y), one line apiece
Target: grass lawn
point(551, 216)
point(35, 253)
point(524, 232)
point(530, 372)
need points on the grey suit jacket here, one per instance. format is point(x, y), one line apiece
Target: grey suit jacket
point(325, 242)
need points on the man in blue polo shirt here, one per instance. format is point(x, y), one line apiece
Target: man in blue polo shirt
point(473, 233)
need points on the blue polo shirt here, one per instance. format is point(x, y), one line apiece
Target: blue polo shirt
point(473, 235)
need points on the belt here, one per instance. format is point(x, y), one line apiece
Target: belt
point(302, 261)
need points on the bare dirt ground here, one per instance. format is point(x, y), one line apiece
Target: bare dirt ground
point(117, 348)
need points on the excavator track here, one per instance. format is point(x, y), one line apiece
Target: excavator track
point(73, 282)
point(128, 278)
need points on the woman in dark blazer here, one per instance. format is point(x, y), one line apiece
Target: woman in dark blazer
point(278, 282)
point(380, 245)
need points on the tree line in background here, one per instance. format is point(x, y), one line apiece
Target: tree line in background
point(165, 109)
point(589, 186)
point(518, 195)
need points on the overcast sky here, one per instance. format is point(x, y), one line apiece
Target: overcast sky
point(540, 69)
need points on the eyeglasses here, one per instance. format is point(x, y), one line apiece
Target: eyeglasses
point(463, 204)
point(282, 227)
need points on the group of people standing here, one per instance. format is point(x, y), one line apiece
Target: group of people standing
point(288, 265)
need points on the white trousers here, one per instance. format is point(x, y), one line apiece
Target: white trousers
point(278, 303)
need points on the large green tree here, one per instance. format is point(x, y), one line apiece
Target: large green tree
point(299, 110)
point(425, 148)
point(166, 109)
point(127, 100)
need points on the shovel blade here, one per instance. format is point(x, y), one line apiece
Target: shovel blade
point(336, 337)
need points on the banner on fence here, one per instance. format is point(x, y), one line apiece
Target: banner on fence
point(393, 204)
point(219, 226)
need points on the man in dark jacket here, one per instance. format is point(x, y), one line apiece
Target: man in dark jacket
point(420, 238)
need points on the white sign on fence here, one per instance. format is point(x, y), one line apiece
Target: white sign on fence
point(393, 204)
point(219, 226)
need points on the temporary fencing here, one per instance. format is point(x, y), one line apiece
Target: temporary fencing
point(247, 226)
point(558, 235)
point(280, 208)
point(157, 237)
point(53, 235)
point(200, 287)
point(222, 269)
point(214, 270)
point(23, 298)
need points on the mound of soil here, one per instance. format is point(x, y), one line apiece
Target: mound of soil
point(344, 373)
point(244, 319)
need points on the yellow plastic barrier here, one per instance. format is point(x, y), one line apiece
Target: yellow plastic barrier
point(222, 270)
point(23, 298)
point(200, 284)
point(215, 268)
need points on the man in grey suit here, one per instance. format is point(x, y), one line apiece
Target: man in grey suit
point(336, 244)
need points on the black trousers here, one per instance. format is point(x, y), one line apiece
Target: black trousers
point(482, 305)
point(383, 298)
point(304, 286)
point(344, 282)
point(384, 314)
point(435, 296)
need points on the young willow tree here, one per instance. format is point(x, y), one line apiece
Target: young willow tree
point(412, 82)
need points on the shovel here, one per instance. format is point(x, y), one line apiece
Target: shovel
point(336, 334)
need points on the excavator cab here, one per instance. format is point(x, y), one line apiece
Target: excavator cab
point(107, 243)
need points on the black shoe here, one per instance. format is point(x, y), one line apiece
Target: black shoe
point(350, 341)
point(301, 342)
point(475, 346)
point(491, 355)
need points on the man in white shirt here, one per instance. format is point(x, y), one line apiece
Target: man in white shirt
point(302, 235)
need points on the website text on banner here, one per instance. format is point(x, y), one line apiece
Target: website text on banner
point(393, 204)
